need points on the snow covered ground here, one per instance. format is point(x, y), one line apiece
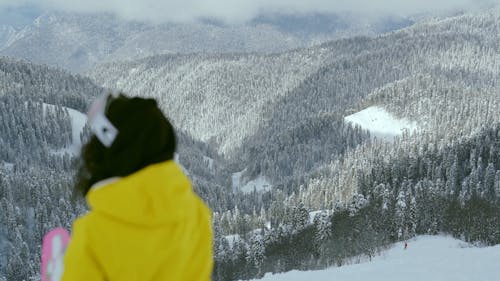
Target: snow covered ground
point(428, 258)
point(380, 123)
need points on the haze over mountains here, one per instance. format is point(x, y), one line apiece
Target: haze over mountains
point(270, 103)
point(78, 42)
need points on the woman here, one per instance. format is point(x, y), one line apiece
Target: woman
point(145, 222)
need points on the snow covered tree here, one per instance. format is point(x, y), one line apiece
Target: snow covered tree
point(400, 217)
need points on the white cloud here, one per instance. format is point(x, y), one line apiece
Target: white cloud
point(241, 10)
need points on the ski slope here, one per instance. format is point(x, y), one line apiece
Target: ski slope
point(380, 123)
point(428, 258)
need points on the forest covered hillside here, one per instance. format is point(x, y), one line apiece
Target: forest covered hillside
point(42, 127)
point(281, 117)
point(261, 108)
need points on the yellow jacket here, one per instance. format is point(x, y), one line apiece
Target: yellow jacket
point(147, 226)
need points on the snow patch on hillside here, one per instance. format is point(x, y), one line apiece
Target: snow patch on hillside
point(209, 162)
point(380, 123)
point(259, 184)
point(236, 179)
point(78, 121)
point(6, 166)
point(429, 258)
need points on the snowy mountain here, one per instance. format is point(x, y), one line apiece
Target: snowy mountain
point(426, 258)
point(68, 41)
point(78, 42)
point(423, 74)
point(285, 147)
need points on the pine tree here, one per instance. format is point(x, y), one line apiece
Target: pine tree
point(300, 217)
point(489, 183)
point(323, 225)
point(412, 218)
point(400, 218)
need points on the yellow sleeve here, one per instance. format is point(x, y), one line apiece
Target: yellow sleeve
point(205, 260)
point(79, 261)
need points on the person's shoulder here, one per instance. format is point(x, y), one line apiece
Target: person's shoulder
point(81, 222)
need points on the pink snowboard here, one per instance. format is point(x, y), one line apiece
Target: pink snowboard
point(53, 248)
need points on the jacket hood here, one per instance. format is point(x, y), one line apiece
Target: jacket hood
point(155, 195)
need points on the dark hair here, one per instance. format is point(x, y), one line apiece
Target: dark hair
point(145, 137)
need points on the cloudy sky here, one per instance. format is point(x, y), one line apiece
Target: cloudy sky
point(20, 11)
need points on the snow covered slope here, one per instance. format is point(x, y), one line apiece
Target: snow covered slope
point(428, 258)
point(380, 123)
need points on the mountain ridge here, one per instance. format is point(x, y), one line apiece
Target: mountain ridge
point(80, 42)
